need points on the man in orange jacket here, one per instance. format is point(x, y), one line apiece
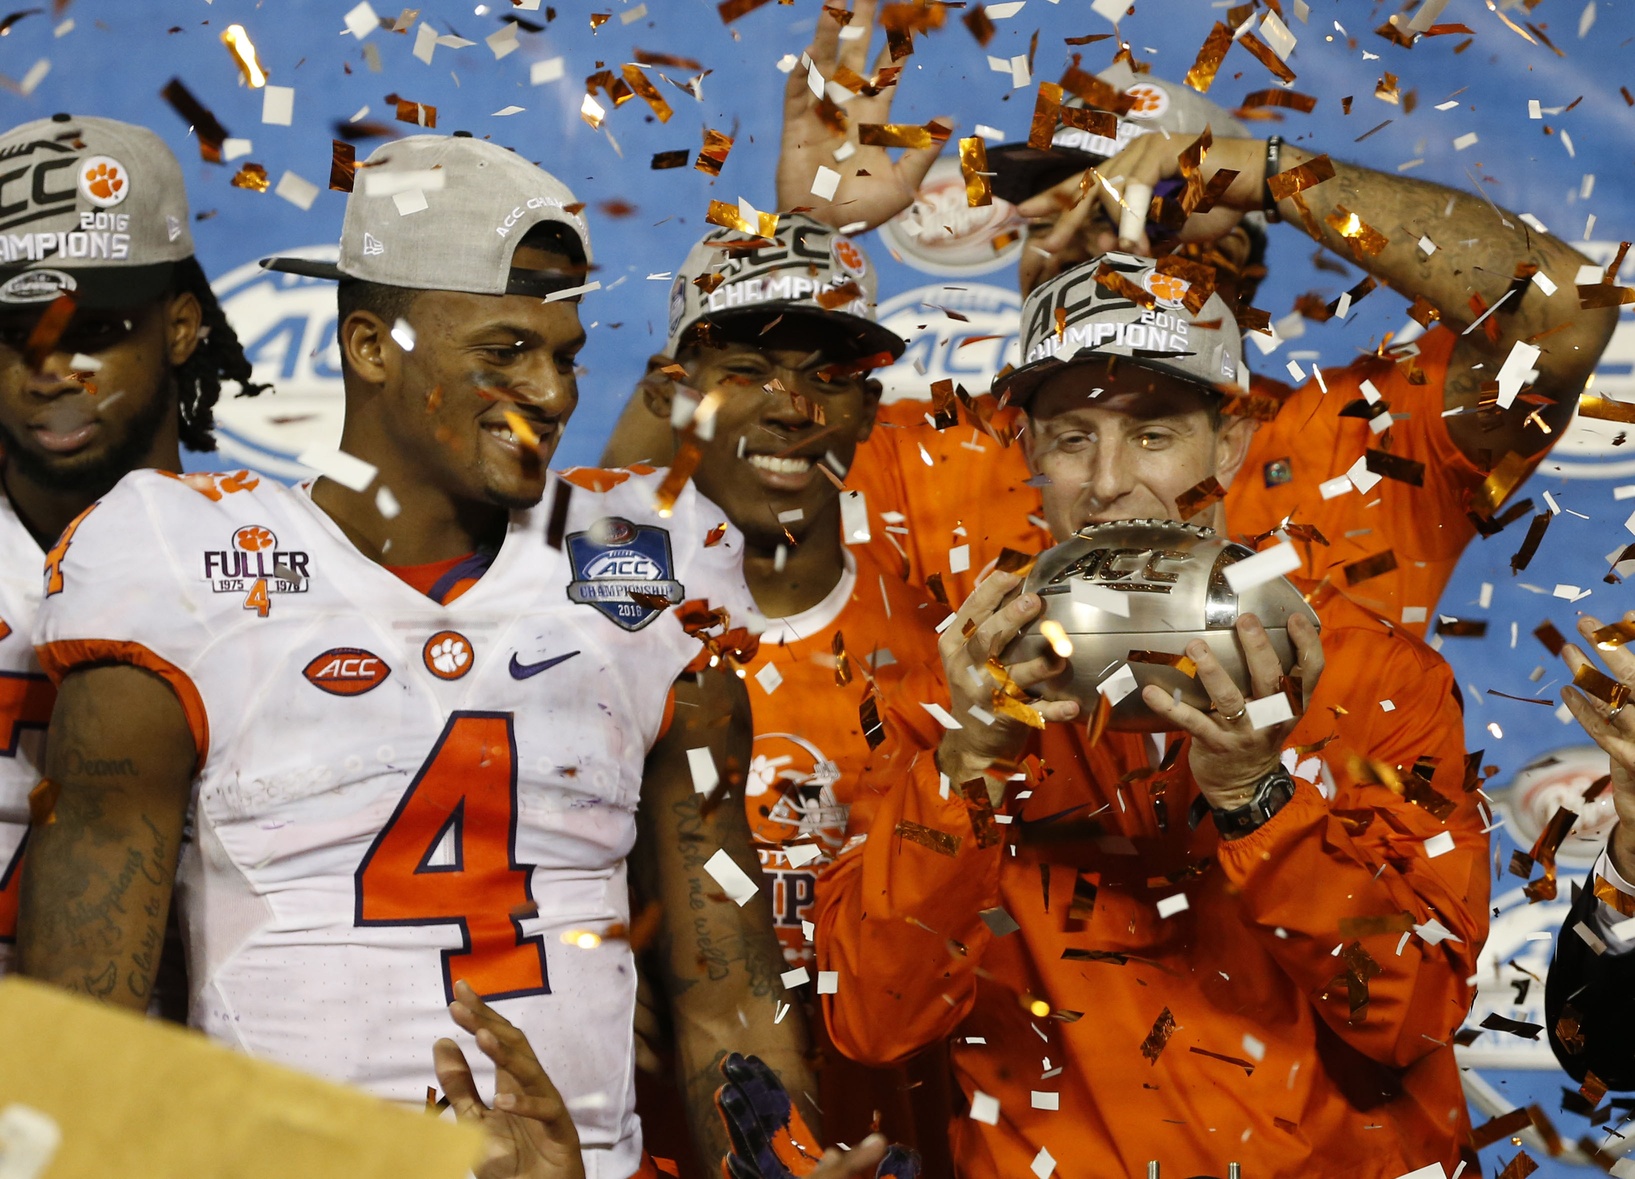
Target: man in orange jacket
point(1124, 981)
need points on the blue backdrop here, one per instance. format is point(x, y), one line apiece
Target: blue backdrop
point(1571, 169)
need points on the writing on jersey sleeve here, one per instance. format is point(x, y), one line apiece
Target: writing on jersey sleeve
point(447, 857)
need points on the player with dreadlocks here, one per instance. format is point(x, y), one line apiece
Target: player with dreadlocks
point(112, 354)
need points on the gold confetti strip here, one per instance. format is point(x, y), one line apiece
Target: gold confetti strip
point(1180, 663)
point(598, 19)
point(868, 714)
point(1462, 628)
point(1601, 294)
point(713, 155)
point(1605, 890)
point(681, 469)
point(1386, 89)
point(732, 217)
point(1395, 466)
point(843, 663)
point(1502, 1126)
point(343, 165)
point(1510, 473)
point(204, 123)
point(42, 803)
point(1017, 711)
point(1247, 1066)
point(1115, 283)
point(940, 842)
point(731, 10)
point(980, 808)
point(1423, 312)
point(618, 93)
point(980, 24)
point(1263, 53)
point(240, 46)
point(48, 329)
point(1300, 177)
point(1544, 851)
point(639, 83)
point(1603, 687)
point(1614, 635)
point(1013, 561)
point(1531, 542)
point(250, 176)
point(1368, 567)
point(1363, 238)
point(1287, 99)
point(1201, 76)
point(1162, 1029)
point(1095, 93)
point(1605, 408)
point(830, 299)
point(1198, 497)
point(901, 134)
point(419, 113)
point(670, 159)
point(973, 166)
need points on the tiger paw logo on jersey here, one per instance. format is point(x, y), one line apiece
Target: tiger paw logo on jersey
point(253, 564)
point(624, 570)
point(347, 671)
point(448, 655)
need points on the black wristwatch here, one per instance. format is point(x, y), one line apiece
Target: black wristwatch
point(1275, 789)
point(1274, 165)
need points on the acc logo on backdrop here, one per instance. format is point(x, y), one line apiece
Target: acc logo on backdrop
point(940, 347)
point(940, 234)
point(286, 323)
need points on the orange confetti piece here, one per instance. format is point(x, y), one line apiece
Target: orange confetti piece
point(42, 803)
point(681, 470)
point(252, 177)
point(973, 166)
point(1606, 409)
point(1301, 177)
point(1363, 238)
point(639, 83)
point(1201, 76)
point(713, 155)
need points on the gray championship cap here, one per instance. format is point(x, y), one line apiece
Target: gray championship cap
point(89, 207)
point(1137, 312)
point(445, 213)
point(1021, 171)
point(808, 271)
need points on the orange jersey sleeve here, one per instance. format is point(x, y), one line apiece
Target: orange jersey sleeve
point(1128, 987)
point(1391, 547)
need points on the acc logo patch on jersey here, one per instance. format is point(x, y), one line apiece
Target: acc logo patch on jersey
point(346, 671)
point(624, 570)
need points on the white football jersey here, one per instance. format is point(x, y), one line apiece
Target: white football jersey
point(26, 696)
point(395, 794)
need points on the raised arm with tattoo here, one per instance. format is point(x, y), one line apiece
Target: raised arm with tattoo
point(719, 962)
point(97, 878)
point(1483, 259)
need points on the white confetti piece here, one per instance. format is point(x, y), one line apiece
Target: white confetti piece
point(1336, 486)
point(1414, 614)
point(828, 982)
point(1439, 844)
point(1020, 74)
point(234, 149)
point(991, 134)
point(1043, 1165)
point(1433, 933)
point(769, 677)
point(1464, 141)
point(296, 190)
point(1387, 706)
point(825, 183)
point(64, 29)
point(984, 1108)
point(631, 16)
point(959, 558)
point(503, 41)
point(551, 69)
point(277, 105)
point(1171, 905)
point(36, 74)
point(1109, 9)
point(854, 520)
point(412, 201)
point(508, 110)
point(801, 854)
point(361, 21)
point(792, 516)
point(1513, 373)
point(1277, 35)
point(1269, 710)
point(1253, 1048)
point(1118, 685)
point(1264, 566)
point(1533, 111)
point(808, 930)
point(795, 978)
point(1370, 392)
point(1005, 11)
point(734, 881)
point(1429, 1171)
point(1448, 105)
point(940, 715)
point(1101, 598)
point(425, 42)
point(348, 470)
point(701, 764)
point(573, 292)
point(1427, 245)
point(1046, 1100)
point(1361, 477)
point(386, 504)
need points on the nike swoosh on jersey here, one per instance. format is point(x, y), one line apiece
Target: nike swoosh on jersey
point(521, 671)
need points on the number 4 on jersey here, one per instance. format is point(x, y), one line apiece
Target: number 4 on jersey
point(466, 795)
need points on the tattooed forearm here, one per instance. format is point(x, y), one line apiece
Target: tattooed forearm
point(97, 878)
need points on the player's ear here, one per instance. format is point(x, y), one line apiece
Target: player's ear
point(183, 315)
point(872, 391)
point(363, 346)
point(1232, 439)
point(657, 386)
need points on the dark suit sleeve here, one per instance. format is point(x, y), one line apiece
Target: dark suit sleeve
point(1598, 990)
